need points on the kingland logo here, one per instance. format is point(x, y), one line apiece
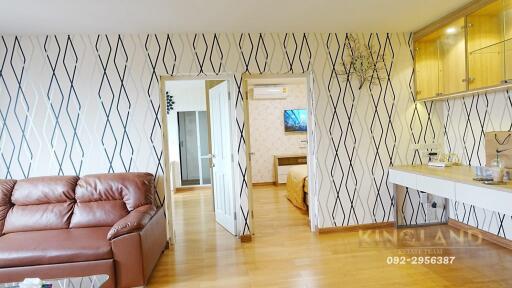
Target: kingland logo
point(419, 238)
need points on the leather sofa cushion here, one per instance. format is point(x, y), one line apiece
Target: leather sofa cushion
point(41, 203)
point(44, 190)
point(54, 247)
point(104, 199)
point(6, 187)
point(38, 217)
point(98, 214)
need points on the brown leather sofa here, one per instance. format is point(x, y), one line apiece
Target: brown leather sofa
point(66, 226)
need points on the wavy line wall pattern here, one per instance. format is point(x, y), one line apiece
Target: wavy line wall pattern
point(79, 104)
point(465, 121)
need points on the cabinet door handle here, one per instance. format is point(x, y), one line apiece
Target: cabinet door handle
point(506, 81)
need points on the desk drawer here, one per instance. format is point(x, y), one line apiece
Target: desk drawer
point(402, 178)
point(435, 186)
point(482, 197)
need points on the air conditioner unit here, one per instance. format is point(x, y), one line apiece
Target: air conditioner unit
point(261, 92)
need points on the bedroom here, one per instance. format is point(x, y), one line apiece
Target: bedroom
point(278, 121)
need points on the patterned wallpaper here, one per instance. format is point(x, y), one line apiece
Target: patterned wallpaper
point(74, 105)
point(465, 120)
point(363, 132)
point(267, 132)
point(83, 104)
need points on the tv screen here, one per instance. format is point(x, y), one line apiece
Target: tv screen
point(296, 120)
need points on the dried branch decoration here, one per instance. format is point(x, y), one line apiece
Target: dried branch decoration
point(361, 62)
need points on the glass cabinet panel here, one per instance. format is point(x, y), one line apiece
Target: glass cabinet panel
point(507, 25)
point(452, 58)
point(473, 52)
point(508, 61)
point(427, 67)
point(486, 47)
point(440, 61)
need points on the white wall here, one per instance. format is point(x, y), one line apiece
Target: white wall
point(267, 131)
point(189, 95)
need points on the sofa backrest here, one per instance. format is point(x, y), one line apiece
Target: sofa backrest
point(41, 203)
point(103, 199)
point(6, 187)
point(61, 202)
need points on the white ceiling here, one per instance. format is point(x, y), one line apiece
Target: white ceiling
point(134, 16)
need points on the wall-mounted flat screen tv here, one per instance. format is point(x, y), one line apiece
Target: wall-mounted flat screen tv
point(296, 120)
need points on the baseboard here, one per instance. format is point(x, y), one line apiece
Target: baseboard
point(485, 235)
point(246, 238)
point(353, 228)
point(263, 184)
point(493, 238)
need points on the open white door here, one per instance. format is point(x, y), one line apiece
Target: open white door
point(222, 166)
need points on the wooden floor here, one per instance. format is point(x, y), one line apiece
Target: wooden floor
point(284, 253)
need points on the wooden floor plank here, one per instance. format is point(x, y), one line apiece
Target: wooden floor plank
point(284, 253)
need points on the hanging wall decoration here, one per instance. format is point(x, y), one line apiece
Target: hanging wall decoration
point(362, 62)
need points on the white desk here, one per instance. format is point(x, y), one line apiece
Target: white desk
point(455, 183)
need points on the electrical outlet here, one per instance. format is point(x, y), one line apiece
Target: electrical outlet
point(434, 209)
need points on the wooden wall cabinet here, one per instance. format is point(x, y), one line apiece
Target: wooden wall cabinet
point(471, 51)
point(485, 37)
point(440, 61)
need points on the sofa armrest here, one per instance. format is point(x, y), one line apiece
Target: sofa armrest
point(133, 222)
point(136, 254)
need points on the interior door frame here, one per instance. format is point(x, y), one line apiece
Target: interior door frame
point(170, 188)
point(311, 156)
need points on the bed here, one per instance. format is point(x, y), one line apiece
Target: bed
point(297, 186)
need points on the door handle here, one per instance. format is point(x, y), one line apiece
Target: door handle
point(209, 156)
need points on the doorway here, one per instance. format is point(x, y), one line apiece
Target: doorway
point(198, 142)
point(193, 148)
point(281, 145)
